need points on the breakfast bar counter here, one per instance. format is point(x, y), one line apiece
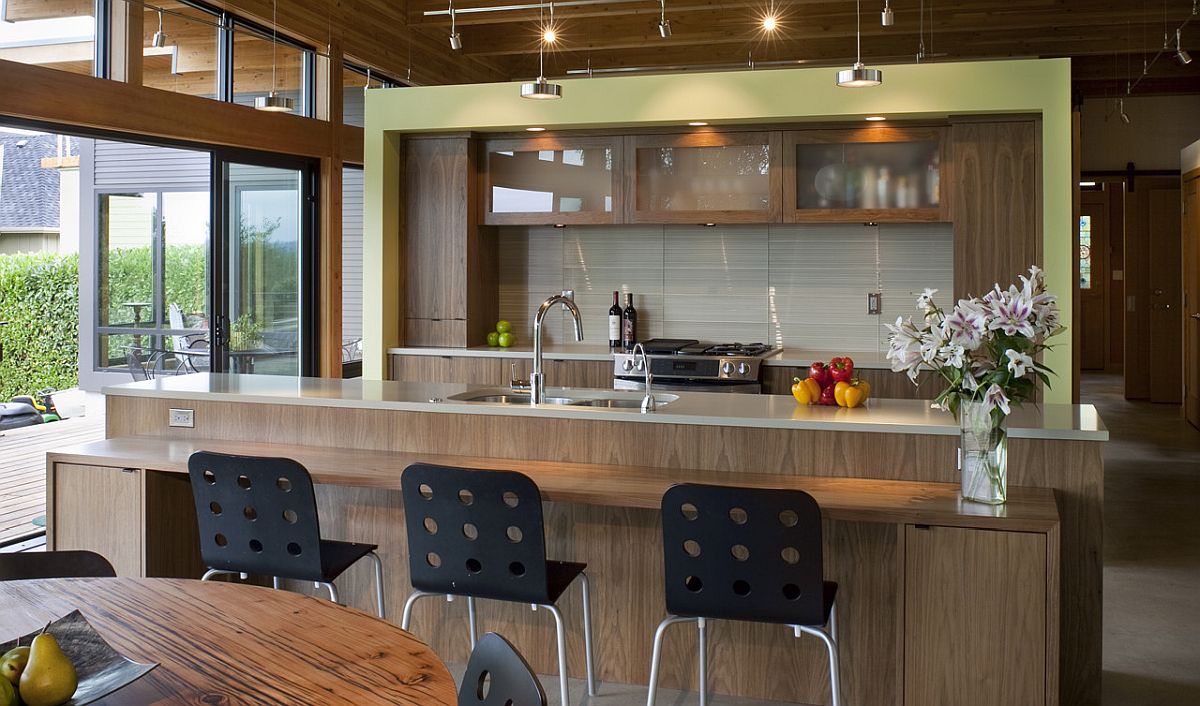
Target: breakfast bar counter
point(939, 598)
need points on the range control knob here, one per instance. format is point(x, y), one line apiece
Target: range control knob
point(627, 365)
point(727, 368)
point(640, 365)
point(743, 369)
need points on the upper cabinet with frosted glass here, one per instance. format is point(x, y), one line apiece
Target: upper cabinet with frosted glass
point(552, 181)
point(703, 177)
point(878, 174)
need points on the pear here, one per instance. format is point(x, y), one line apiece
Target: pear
point(8, 694)
point(12, 664)
point(49, 679)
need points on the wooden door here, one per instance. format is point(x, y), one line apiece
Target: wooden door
point(1166, 298)
point(1094, 275)
point(98, 509)
point(975, 618)
point(1191, 294)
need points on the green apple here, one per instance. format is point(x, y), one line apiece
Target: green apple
point(502, 326)
point(506, 339)
point(493, 339)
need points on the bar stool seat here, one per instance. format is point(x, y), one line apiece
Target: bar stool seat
point(337, 556)
point(559, 576)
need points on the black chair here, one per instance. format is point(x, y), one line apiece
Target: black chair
point(259, 516)
point(19, 566)
point(744, 554)
point(497, 675)
point(480, 534)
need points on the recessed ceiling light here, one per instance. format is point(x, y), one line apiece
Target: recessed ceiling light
point(875, 118)
point(535, 129)
point(697, 123)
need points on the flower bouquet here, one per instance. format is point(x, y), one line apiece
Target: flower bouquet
point(986, 350)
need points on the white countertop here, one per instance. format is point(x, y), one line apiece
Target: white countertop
point(1075, 422)
point(786, 357)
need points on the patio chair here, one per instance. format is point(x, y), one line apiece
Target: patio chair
point(184, 343)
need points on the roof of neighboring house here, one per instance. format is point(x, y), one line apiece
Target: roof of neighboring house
point(28, 192)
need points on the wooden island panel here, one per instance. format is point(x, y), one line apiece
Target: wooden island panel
point(627, 582)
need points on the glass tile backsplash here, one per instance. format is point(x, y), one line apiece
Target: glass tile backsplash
point(796, 286)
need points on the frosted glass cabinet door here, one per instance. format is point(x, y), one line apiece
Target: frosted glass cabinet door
point(551, 181)
point(704, 177)
point(879, 174)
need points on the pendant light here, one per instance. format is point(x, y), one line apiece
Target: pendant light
point(887, 18)
point(859, 76)
point(664, 25)
point(455, 37)
point(541, 89)
point(160, 38)
point(1181, 54)
point(273, 102)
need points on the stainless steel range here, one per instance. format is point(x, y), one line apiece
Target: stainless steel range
point(687, 364)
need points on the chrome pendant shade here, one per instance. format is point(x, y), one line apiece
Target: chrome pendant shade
point(160, 37)
point(541, 89)
point(274, 103)
point(859, 77)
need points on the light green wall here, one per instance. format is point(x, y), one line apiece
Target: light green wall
point(910, 91)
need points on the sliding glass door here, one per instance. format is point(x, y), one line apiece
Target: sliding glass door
point(265, 301)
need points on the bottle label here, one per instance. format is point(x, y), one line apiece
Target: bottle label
point(614, 328)
point(630, 333)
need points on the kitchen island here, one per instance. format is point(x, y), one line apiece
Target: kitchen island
point(940, 602)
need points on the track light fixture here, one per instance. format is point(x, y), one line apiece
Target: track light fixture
point(160, 38)
point(549, 33)
point(1121, 111)
point(455, 37)
point(273, 102)
point(770, 23)
point(859, 76)
point(664, 25)
point(1180, 53)
point(887, 18)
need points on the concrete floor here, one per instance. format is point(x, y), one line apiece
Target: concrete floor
point(1151, 564)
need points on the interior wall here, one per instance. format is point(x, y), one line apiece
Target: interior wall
point(1159, 127)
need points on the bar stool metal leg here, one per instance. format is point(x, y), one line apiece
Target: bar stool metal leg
point(471, 620)
point(413, 597)
point(561, 630)
point(702, 625)
point(276, 583)
point(587, 633)
point(378, 583)
point(828, 635)
point(656, 655)
point(333, 592)
point(217, 572)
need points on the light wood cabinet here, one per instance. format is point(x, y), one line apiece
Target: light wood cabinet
point(107, 510)
point(703, 177)
point(977, 621)
point(552, 180)
point(874, 174)
point(487, 370)
point(449, 261)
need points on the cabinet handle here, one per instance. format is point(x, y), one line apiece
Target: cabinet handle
point(130, 470)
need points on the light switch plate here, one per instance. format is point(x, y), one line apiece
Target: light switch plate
point(874, 303)
point(182, 418)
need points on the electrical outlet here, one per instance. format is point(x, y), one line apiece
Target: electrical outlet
point(182, 418)
point(874, 303)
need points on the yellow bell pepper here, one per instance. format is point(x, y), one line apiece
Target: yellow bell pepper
point(806, 391)
point(839, 393)
point(855, 394)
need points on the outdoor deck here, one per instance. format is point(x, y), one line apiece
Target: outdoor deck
point(23, 469)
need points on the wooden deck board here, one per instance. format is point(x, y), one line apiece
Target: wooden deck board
point(23, 469)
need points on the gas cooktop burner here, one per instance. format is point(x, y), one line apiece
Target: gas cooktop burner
point(742, 349)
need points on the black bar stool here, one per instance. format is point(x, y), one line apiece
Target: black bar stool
point(744, 554)
point(19, 566)
point(480, 534)
point(497, 675)
point(259, 516)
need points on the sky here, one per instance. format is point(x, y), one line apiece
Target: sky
point(63, 29)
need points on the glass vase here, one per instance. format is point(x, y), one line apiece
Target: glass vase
point(983, 453)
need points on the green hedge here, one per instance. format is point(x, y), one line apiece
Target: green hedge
point(39, 298)
point(131, 279)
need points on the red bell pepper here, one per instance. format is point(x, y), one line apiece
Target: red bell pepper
point(841, 369)
point(828, 396)
point(817, 371)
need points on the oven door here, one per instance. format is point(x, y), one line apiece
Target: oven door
point(751, 387)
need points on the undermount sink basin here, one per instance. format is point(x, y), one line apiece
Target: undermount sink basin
point(586, 398)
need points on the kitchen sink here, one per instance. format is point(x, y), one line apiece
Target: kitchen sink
point(584, 398)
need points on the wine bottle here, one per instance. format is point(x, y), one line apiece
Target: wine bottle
point(629, 324)
point(614, 322)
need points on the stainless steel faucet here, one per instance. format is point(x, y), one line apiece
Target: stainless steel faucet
point(537, 379)
point(641, 362)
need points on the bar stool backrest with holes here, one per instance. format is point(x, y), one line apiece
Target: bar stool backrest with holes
point(743, 554)
point(475, 533)
point(497, 675)
point(256, 515)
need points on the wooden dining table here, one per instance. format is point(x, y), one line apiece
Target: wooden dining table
point(226, 643)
